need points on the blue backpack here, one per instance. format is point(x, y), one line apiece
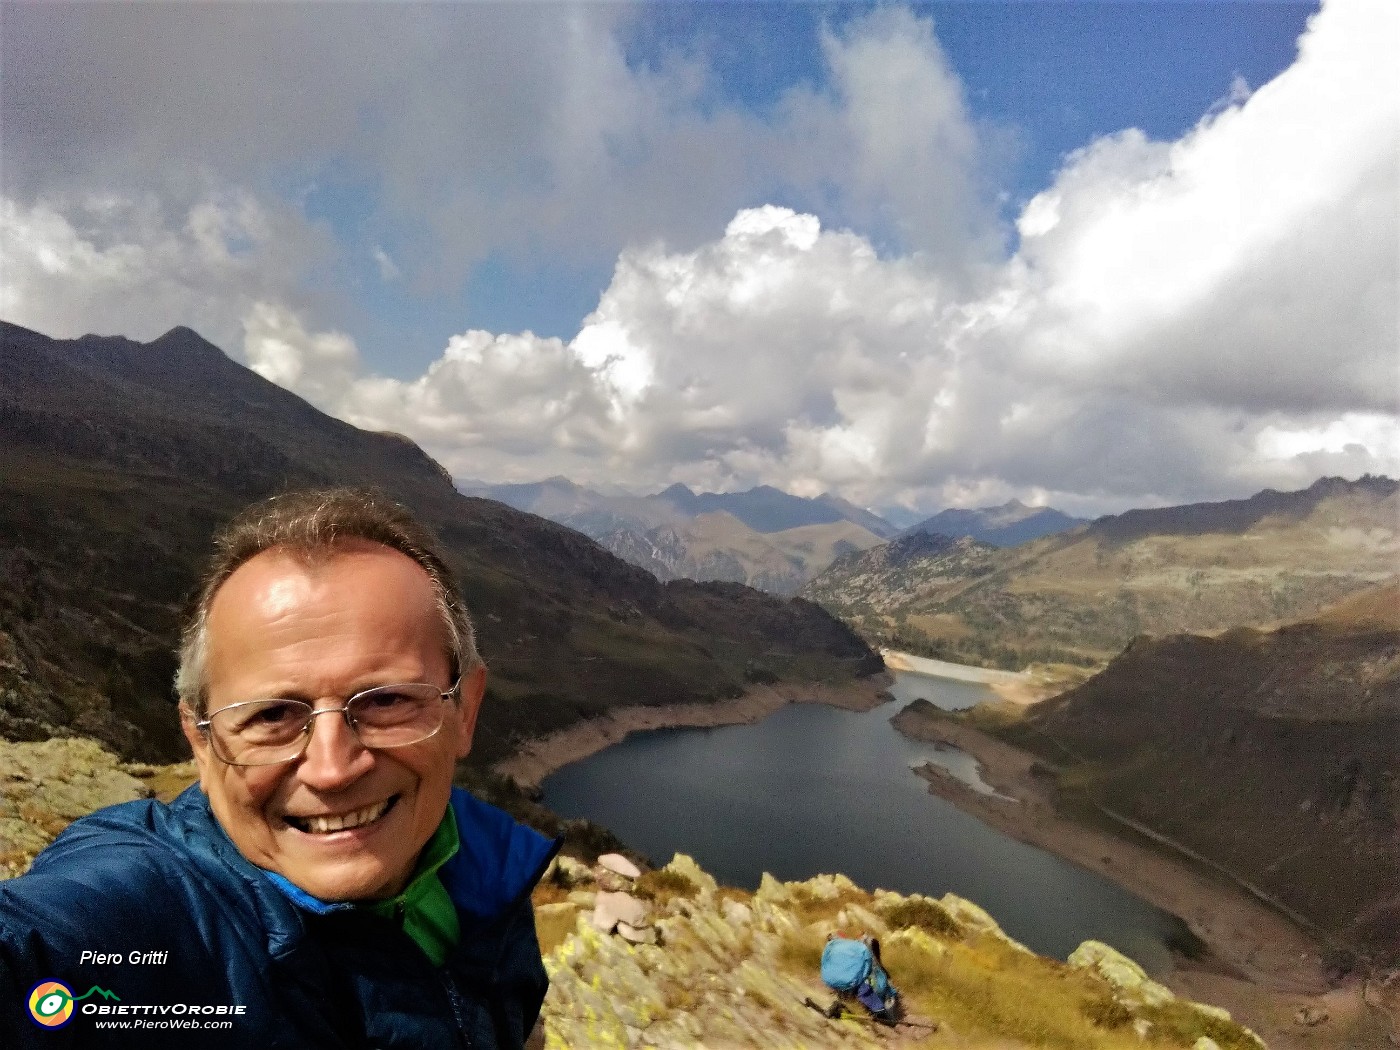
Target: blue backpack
point(846, 964)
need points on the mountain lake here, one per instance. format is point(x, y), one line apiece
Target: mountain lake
point(815, 789)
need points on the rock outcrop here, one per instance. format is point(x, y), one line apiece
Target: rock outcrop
point(45, 786)
point(735, 969)
point(616, 908)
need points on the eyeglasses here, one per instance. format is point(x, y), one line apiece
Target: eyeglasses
point(266, 732)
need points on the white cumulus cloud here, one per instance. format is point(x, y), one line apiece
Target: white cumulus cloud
point(113, 264)
point(1180, 320)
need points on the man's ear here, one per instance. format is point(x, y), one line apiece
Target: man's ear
point(199, 744)
point(472, 689)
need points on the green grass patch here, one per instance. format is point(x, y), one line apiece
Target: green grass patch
point(983, 986)
point(555, 927)
point(926, 915)
point(1179, 1023)
point(810, 908)
point(1104, 1011)
point(800, 953)
point(663, 885)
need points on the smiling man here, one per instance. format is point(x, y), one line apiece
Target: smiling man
point(324, 885)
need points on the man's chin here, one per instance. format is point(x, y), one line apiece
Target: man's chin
point(359, 879)
point(355, 864)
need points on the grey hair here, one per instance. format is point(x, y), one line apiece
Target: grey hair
point(313, 523)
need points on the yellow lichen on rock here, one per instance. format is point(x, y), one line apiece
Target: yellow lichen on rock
point(1133, 985)
point(686, 867)
point(1120, 971)
point(966, 913)
point(45, 786)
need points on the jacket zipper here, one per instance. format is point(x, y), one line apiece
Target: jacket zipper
point(454, 996)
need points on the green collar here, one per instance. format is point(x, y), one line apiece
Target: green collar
point(424, 910)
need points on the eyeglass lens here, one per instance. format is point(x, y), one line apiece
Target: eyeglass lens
point(266, 731)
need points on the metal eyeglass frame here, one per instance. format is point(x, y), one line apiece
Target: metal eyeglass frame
point(205, 725)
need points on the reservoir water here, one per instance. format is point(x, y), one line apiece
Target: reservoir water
point(814, 789)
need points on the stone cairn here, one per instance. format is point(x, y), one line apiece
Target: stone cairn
point(616, 909)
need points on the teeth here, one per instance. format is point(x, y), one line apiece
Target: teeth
point(342, 821)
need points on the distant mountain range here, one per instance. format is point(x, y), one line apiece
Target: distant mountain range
point(766, 509)
point(764, 537)
point(118, 460)
point(1080, 596)
point(1010, 524)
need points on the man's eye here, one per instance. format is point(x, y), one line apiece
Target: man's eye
point(384, 700)
point(270, 716)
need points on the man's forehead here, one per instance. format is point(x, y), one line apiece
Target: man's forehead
point(281, 595)
point(280, 578)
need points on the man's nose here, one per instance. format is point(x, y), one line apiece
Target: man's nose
point(334, 755)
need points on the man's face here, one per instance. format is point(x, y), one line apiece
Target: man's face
point(321, 632)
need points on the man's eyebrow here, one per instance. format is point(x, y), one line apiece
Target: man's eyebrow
point(290, 692)
point(383, 678)
point(360, 684)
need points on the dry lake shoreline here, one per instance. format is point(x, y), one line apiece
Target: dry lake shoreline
point(536, 759)
point(1262, 967)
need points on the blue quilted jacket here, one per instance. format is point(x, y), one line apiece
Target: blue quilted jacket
point(243, 963)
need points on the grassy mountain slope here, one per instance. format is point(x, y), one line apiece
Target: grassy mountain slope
point(1081, 596)
point(817, 546)
point(1274, 754)
point(118, 460)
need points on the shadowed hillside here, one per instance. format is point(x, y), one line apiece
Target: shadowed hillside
point(119, 459)
point(1275, 755)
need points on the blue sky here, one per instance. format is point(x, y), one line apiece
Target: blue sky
point(1045, 78)
point(1092, 254)
point(1054, 75)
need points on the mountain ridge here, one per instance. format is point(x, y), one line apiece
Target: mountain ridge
point(119, 459)
point(763, 537)
point(1080, 596)
point(1008, 525)
point(1235, 515)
